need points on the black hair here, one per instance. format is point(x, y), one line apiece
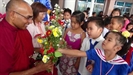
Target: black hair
point(126, 16)
point(100, 14)
point(86, 11)
point(107, 21)
point(126, 42)
point(131, 23)
point(79, 16)
point(116, 9)
point(88, 8)
point(93, 13)
point(68, 10)
point(119, 19)
point(99, 21)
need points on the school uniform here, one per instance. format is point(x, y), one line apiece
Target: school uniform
point(87, 44)
point(116, 66)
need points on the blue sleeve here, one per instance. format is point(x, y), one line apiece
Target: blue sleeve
point(131, 62)
point(124, 70)
point(91, 54)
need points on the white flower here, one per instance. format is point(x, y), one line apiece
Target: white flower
point(56, 5)
point(53, 11)
point(58, 45)
point(62, 10)
point(60, 38)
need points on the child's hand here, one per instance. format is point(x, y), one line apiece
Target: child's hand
point(90, 68)
point(131, 73)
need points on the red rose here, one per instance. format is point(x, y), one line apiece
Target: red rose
point(51, 50)
point(48, 32)
point(42, 51)
point(52, 17)
point(46, 23)
point(61, 22)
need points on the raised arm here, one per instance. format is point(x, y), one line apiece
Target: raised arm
point(73, 52)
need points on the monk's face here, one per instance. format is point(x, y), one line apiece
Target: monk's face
point(23, 16)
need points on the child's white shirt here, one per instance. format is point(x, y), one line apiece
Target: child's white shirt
point(105, 30)
point(86, 46)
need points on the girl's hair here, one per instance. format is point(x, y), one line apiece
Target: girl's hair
point(79, 16)
point(131, 23)
point(116, 9)
point(107, 21)
point(68, 10)
point(126, 42)
point(37, 7)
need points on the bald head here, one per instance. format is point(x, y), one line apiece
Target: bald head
point(14, 4)
point(17, 10)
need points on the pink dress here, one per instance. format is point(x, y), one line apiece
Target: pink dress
point(66, 64)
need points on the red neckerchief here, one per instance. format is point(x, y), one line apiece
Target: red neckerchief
point(128, 56)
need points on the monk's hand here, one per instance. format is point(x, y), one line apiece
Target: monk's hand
point(44, 66)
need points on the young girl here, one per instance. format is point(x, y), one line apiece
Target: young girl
point(74, 37)
point(129, 56)
point(115, 12)
point(107, 59)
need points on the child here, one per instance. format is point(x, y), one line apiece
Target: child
point(106, 26)
point(67, 17)
point(107, 59)
point(74, 37)
point(94, 14)
point(117, 23)
point(94, 29)
point(116, 12)
point(129, 55)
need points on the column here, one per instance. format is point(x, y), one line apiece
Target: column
point(131, 11)
point(61, 3)
point(108, 6)
point(70, 4)
point(91, 8)
point(3, 6)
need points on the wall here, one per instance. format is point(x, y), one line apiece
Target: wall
point(2, 8)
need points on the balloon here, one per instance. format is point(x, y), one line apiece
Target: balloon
point(47, 3)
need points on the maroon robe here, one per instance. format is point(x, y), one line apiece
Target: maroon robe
point(16, 50)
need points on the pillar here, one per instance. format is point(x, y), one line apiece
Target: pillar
point(70, 4)
point(108, 6)
point(91, 8)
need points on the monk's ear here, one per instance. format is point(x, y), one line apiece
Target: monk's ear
point(12, 15)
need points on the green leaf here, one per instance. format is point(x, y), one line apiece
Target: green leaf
point(58, 54)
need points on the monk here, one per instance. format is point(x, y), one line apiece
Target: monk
point(16, 47)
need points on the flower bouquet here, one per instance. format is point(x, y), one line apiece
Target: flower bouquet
point(52, 39)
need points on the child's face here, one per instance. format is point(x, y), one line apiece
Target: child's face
point(93, 31)
point(115, 13)
point(115, 25)
point(129, 27)
point(74, 23)
point(67, 16)
point(110, 42)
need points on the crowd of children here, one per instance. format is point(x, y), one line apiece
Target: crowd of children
point(104, 50)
